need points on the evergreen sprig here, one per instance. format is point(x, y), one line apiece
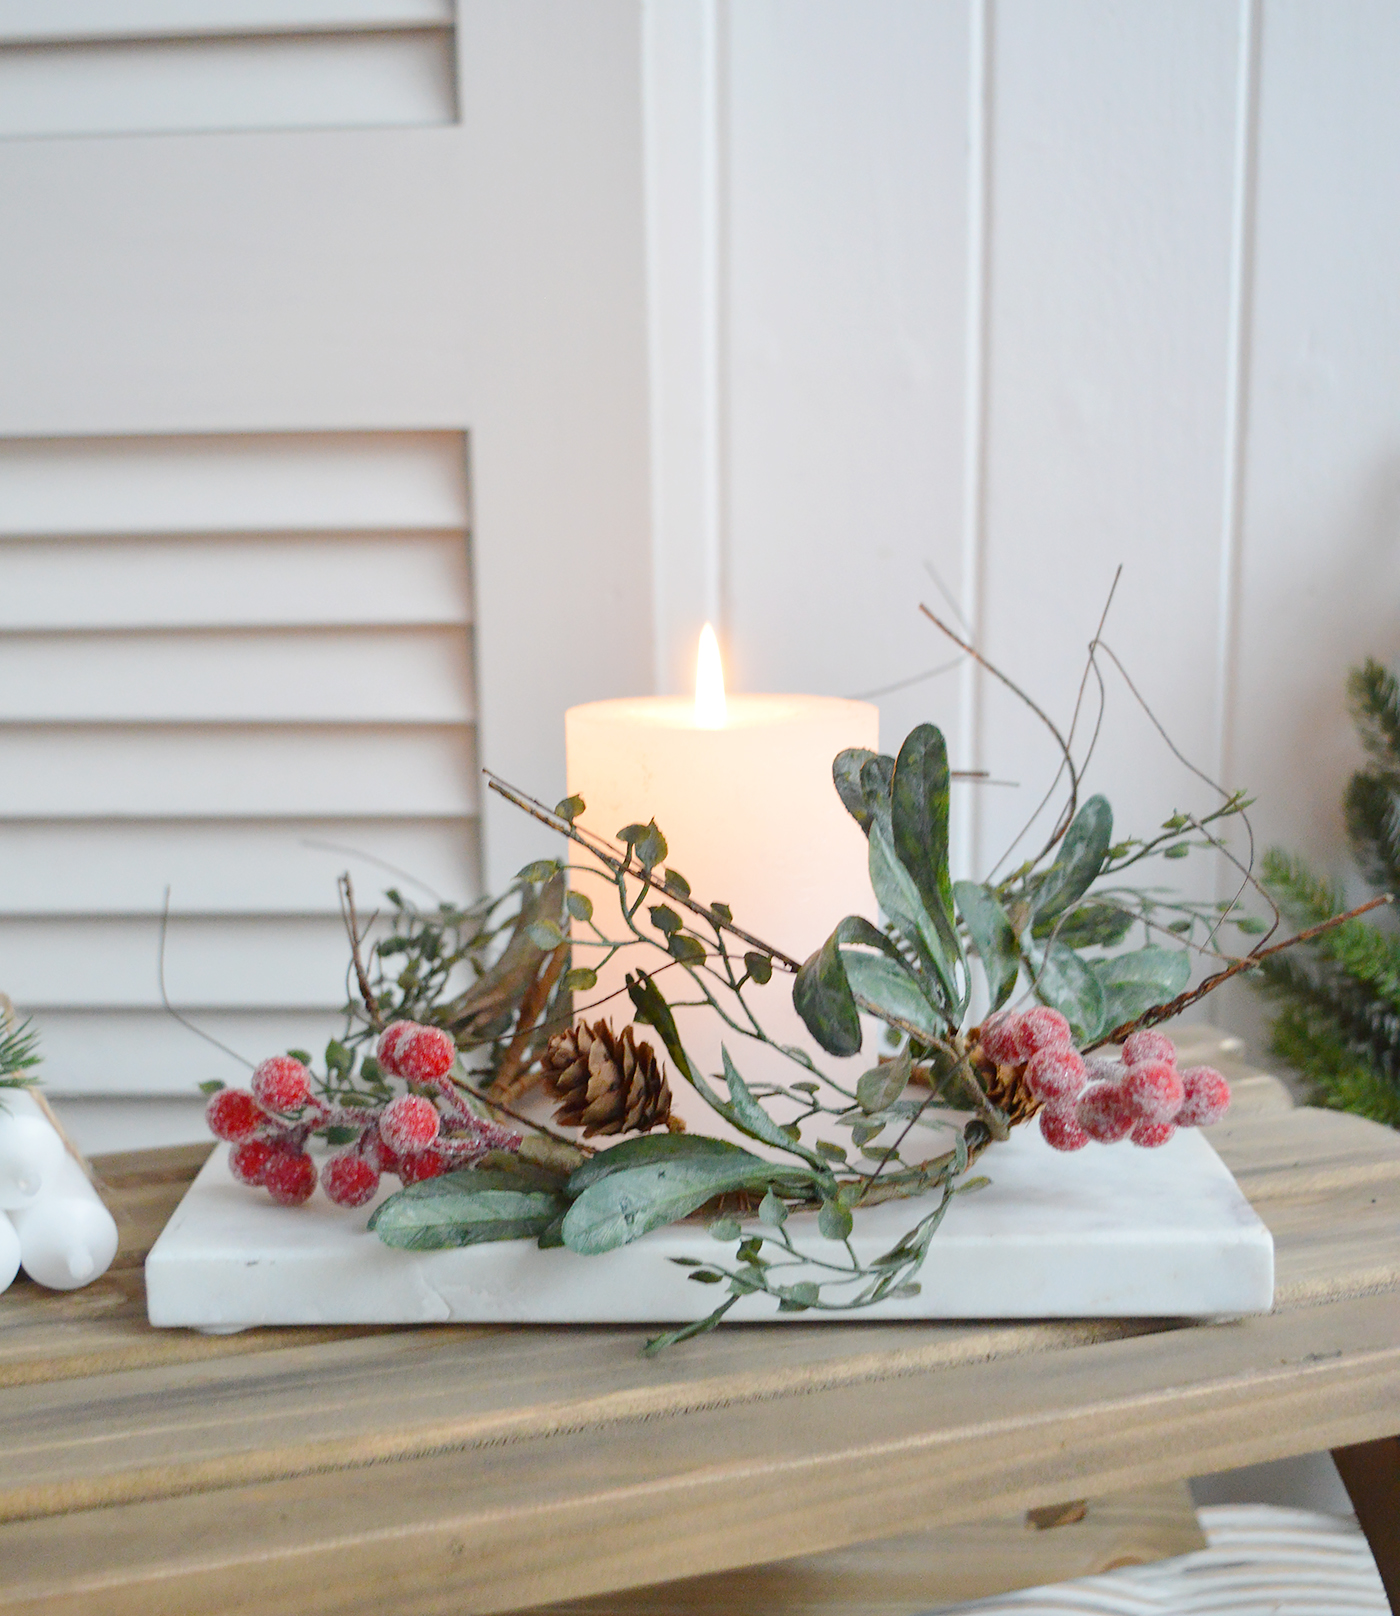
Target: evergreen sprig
point(1372, 801)
point(1340, 1022)
point(19, 1055)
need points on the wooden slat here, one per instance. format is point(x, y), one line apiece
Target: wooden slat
point(316, 676)
point(907, 1575)
point(203, 580)
point(320, 771)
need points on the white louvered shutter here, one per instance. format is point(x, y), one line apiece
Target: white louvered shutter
point(275, 274)
point(225, 663)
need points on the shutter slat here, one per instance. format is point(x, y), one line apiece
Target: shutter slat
point(235, 581)
point(413, 676)
point(125, 1053)
point(32, 20)
point(256, 482)
point(231, 867)
point(233, 962)
point(145, 772)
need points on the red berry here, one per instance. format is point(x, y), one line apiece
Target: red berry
point(999, 1040)
point(425, 1054)
point(1151, 1134)
point(422, 1164)
point(1102, 1114)
point(1061, 1130)
point(409, 1123)
point(348, 1179)
point(378, 1153)
point(1055, 1075)
point(1104, 1068)
point(289, 1177)
point(1153, 1092)
point(389, 1040)
point(248, 1161)
point(282, 1083)
point(1147, 1045)
point(1207, 1098)
point(234, 1114)
point(1042, 1028)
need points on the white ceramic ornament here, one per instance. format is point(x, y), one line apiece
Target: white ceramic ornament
point(9, 1253)
point(67, 1238)
point(30, 1151)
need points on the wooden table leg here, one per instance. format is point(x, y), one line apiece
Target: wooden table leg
point(1370, 1471)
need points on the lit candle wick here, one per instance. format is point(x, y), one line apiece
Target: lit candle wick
point(710, 709)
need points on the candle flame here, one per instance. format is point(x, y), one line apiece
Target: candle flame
point(710, 710)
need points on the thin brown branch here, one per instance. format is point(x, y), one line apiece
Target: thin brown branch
point(170, 1009)
point(1062, 824)
point(1015, 689)
point(1245, 867)
point(1158, 1013)
point(611, 856)
point(352, 927)
point(528, 1122)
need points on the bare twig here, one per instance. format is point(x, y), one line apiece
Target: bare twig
point(352, 926)
point(1247, 866)
point(184, 1021)
point(528, 1122)
point(1158, 1013)
point(1062, 824)
point(1015, 689)
point(612, 857)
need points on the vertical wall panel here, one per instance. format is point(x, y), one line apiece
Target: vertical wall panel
point(847, 258)
point(1110, 250)
point(1320, 561)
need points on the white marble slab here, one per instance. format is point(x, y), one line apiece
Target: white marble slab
point(1115, 1232)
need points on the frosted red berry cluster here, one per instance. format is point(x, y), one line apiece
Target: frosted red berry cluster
point(414, 1136)
point(1138, 1095)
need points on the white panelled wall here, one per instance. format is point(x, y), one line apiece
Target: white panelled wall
point(997, 295)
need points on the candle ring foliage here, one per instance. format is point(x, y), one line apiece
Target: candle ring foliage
point(1055, 928)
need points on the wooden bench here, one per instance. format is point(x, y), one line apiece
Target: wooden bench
point(464, 1469)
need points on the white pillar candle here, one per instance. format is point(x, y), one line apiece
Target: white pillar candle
point(30, 1150)
point(67, 1237)
point(742, 791)
point(9, 1252)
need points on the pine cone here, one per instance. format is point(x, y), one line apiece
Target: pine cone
point(608, 1082)
point(1005, 1087)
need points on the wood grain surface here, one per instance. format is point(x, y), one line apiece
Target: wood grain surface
point(462, 1468)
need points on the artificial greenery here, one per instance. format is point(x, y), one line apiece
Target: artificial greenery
point(490, 973)
point(1052, 927)
point(1339, 1025)
point(19, 1051)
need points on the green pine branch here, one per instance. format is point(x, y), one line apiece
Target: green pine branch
point(1372, 801)
point(1372, 809)
point(1340, 1079)
point(1340, 1026)
point(19, 1053)
point(1373, 699)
